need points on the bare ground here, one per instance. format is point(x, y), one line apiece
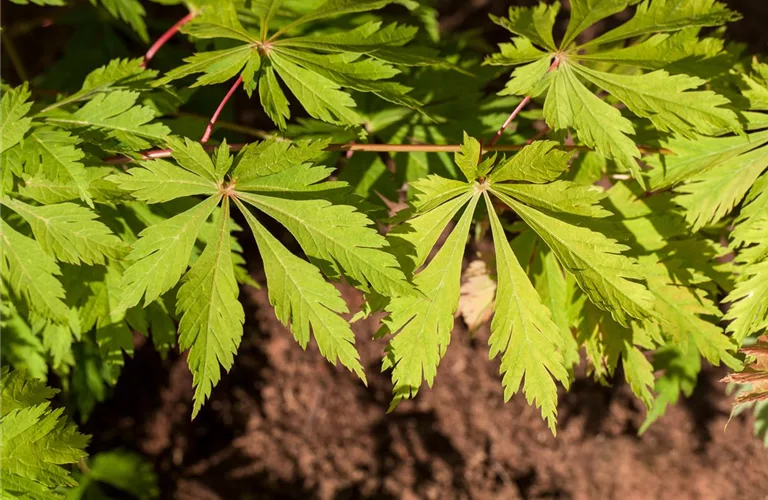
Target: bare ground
point(286, 424)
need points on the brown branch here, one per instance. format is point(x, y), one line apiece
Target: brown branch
point(373, 148)
point(212, 122)
point(166, 36)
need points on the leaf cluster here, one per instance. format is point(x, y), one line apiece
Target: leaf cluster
point(601, 236)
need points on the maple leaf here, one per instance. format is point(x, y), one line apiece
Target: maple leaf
point(130, 11)
point(278, 179)
point(32, 274)
point(212, 319)
point(14, 107)
point(37, 440)
point(670, 101)
point(69, 232)
point(318, 70)
point(117, 117)
point(522, 329)
point(607, 342)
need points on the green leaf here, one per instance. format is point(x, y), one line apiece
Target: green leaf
point(130, 11)
point(659, 50)
point(520, 51)
point(31, 274)
point(320, 97)
point(585, 13)
point(663, 99)
point(684, 310)
point(709, 196)
point(53, 153)
point(523, 331)
point(191, 156)
point(273, 156)
point(333, 8)
point(272, 98)
point(668, 15)
point(158, 181)
point(37, 441)
point(250, 71)
point(606, 276)
point(69, 232)
point(348, 70)
point(126, 72)
point(608, 342)
point(49, 191)
point(304, 301)
point(638, 371)
point(599, 125)
point(697, 155)
point(222, 160)
point(749, 302)
point(559, 196)
point(13, 108)
point(422, 323)
point(337, 235)
point(272, 7)
point(538, 162)
point(529, 80)
point(218, 20)
point(57, 341)
point(211, 324)
point(433, 190)
point(557, 290)
point(302, 178)
point(18, 392)
point(412, 241)
point(161, 254)
point(365, 39)
point(217, 66)
point(118, 116)
point(469, 158)
point(21, 344)
point(533, 23)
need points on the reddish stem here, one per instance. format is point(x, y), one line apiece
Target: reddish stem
point(166, 36)
point(212, 122)
point(517, 110)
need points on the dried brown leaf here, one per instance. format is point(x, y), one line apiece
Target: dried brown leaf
point(478, 290)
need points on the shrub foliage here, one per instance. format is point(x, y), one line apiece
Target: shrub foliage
point(626, 205)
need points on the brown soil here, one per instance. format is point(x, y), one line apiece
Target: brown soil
point(286, 424)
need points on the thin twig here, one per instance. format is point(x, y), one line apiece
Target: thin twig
point(373, 148)
point(212, 122)
point(167, 36)
point(13, 55)
point(519, 108)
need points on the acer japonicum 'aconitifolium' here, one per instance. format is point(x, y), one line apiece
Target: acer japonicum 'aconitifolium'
point(606, 176)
